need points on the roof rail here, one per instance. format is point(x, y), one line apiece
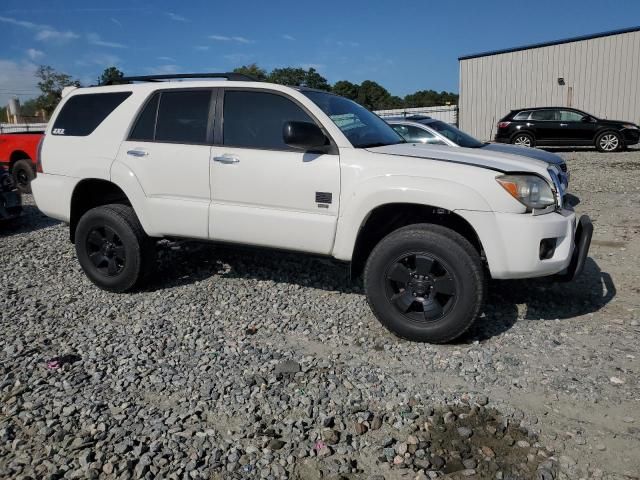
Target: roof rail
point(231, 76)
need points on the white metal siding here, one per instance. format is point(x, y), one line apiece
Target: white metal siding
point(604, 74)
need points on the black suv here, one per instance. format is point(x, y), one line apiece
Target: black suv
point(560, 126)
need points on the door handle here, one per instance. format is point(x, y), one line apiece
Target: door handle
point(563, 124)
point(227, 159)
point(137, 153)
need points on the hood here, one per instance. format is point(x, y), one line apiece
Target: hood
point(618, 123)
point(536, 153)
point(491, 159)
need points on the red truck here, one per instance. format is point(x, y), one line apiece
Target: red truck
point(18, 154)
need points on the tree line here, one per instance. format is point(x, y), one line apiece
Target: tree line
point(369, 94)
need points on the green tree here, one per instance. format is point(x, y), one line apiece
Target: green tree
point(314, 80)
point(252, 70)
point(430, 98)
point(51, 84)
point(110, 75)
point(288, 76)
point(346, 89)
point(373, 96)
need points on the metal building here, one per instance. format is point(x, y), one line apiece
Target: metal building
point(599, 74)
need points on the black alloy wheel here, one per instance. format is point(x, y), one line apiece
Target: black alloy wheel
point(421, 287)
point(106, 250)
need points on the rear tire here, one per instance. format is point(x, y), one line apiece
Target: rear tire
point(425, 283)
point(23, 173)
point(523, 140)
point(113, 249)
point(609, 142)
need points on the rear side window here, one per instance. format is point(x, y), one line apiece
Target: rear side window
point(82, 114)
point(522, 115)
point(174, 116)
point(545, 115)
point(256, 119)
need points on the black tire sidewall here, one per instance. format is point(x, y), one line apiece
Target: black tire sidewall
point(103, 216)
point(528, 135)
point(466, 270)
point(23, 165)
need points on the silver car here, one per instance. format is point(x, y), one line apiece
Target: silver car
point(424, 129)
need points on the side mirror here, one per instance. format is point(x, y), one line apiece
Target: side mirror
point(587, 119)
point(303, 135)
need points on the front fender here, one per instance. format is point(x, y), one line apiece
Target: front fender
point(388, 189)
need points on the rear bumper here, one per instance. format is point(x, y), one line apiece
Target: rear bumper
point(10, 205)
point(52, 194)
point(502, 137)
point(513, 243)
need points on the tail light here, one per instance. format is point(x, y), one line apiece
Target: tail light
point(39, 155)
point(503, 124)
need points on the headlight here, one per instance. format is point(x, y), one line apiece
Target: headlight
point(630, 125)
point(530, 190)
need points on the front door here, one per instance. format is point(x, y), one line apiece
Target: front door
point(169, 151)
point(579, 128)
point(264, 192)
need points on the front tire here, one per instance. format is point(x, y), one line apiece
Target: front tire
point(113, 249)
point(609, 142)
point(523, 140)
point(22, 172)
point(425, 283)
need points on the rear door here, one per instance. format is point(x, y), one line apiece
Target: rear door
point(263, 191)
point(169, 151)
point(547, 125)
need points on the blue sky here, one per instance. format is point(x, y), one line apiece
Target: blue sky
point(404, 45)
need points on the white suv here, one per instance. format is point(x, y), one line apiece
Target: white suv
point(298, 169)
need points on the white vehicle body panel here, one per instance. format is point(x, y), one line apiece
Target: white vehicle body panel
point(267, 198)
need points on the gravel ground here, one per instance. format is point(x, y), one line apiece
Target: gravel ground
point(247, 364)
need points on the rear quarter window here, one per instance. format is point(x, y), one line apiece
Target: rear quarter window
point(82, 114)
point(522, 115)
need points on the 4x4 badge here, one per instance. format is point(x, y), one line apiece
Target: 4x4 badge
point(58, 131)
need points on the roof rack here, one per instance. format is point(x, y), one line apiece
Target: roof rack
point(231, 76)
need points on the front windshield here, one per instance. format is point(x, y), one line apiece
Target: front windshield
point(361, 127)
point(456, 136)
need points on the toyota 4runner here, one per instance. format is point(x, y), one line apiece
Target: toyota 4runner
point(298, 169)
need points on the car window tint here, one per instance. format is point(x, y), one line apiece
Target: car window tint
point(82, 113)
point(570, 116)
point(256, 119)
point(417, 135)
point(522, 116)
point(146, 125)
point(183, 116)
point(544, 115)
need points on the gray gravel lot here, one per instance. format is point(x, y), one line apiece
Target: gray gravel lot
point(253, 364)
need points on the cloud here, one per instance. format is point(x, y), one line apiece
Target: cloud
point(341, 43)
point(103, 60)
point(288, 37)
point(34, 54)
point(43, 32)
point(176, 18)
point(117, 22)
point(94, 39)
point(163, 69)
point(224, 38)
point(167, 59)
point(17, 80)
point(201, 48)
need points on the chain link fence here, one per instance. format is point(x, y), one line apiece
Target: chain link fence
point(22, 127)
point(445, 113)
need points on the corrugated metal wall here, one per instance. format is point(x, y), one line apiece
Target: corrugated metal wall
point(603, 74)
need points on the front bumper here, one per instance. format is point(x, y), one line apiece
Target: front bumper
point(513, 242)
point(10, 205)
point(631, 136)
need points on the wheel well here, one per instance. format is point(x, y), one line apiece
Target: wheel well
point(18, 155)
point(386, 218)
point(92, 193)
point(526, 132)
